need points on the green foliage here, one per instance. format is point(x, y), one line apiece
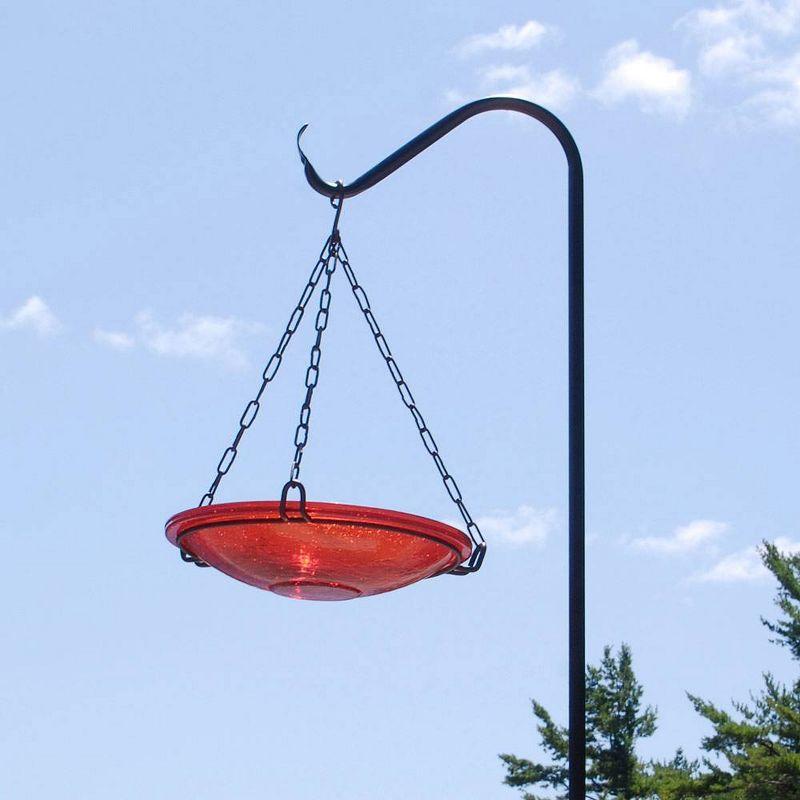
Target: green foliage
point(668, 780)
point(615, 721)
point(786, 568)
point(754, 751)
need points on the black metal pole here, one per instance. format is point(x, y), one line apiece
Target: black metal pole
point(577, 503)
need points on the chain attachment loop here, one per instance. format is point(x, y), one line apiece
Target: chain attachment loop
point(285, 493)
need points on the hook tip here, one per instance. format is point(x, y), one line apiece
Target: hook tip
point(300, 149)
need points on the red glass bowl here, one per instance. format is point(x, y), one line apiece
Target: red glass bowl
point(340, 553)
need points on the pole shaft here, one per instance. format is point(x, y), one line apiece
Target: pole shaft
point(577, 496)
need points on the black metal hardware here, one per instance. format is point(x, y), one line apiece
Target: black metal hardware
point(312, 373)
point(577, 600)
point(293, 484)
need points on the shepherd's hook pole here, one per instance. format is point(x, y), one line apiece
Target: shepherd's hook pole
point(577, 591)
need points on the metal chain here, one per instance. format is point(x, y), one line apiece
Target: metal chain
point(427, 437)
point(273, 365)
point(332, 252)
point(312, 373)
point(270, 371)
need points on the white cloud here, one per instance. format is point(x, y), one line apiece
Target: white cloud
point(710, 20)
point(754, 45)
point(748, 67)
point(453, 97)
point(736, 53)
point(780, 19)
point(654, 82)
point(193, 336)
point(199, 337)
point(684, 539)
point(778, 102)
point(117, 340)
point(526, 525)
point(744, 566)
point(34, 314)
point(554, 89)
point(508, 37)
point(730, 44)
point(505, 73)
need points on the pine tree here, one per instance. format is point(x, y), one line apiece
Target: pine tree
point(668, 780)
point(615, 721)
point(754, 751)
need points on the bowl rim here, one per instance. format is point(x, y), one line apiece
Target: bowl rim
point(192, 520)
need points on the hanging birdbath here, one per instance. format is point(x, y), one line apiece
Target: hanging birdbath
point(335, 552)
point(324, 551)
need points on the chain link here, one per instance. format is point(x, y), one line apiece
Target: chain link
point(408, 400)
point(312, 373)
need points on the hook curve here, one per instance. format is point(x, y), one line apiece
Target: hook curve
point(435, 132)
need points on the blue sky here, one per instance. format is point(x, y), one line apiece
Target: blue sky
point(156, 231)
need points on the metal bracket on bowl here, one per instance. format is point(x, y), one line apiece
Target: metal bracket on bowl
point(293, 484)
point(190, 559)
point(474, 563)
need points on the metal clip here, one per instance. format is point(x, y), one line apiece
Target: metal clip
point(302, 489)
